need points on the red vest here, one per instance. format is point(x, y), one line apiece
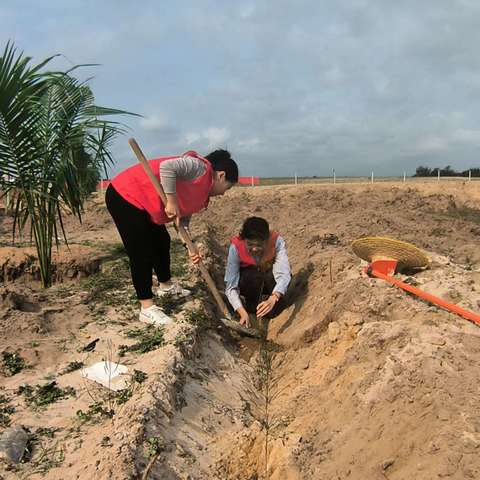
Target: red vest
point(134, 186)
point(246, 260)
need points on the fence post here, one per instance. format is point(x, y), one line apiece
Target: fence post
point(296, 179)
point(334, 177)
point(372, 178)
point(438, 179)
point(404, 177)
point(469, 175)
point(252, 181)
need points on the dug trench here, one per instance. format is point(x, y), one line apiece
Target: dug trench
point(355, 379)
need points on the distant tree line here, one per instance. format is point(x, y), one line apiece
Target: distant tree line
point(445, 172)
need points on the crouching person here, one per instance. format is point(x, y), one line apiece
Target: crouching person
point(257, 266)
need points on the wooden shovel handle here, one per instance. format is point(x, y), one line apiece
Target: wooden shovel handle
point(181, 229)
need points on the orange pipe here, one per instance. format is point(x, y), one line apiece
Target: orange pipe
point(426, 296)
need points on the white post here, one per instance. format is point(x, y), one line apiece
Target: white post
point(252, 181)
point(372, 178)
point(438, 178)
point(404, 177)
point(296, 179)
point(334, 177)
point(469, 175)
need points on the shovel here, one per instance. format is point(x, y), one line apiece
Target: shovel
point(184, 235)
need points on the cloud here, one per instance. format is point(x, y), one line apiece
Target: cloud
point(212, 137)
point(248, 144)
point(467, 136)
point(300, 86)
point(432, 144)
point(154, 122)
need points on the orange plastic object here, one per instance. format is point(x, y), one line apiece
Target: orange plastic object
point(387, 267)
point(377, 269)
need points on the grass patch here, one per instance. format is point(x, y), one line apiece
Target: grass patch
point(5, 411)
point(111, 288)
point(126, 393)
point(35, 442)
point(47, 432)
point(139, 376)
point(103, 286)
point(46, 458)
point(198, 317)
point(464, 213)
point(42, 395)
point(71, 367)
point(155, 445)
point(114, 251)
point(170, 303)
point(64, 291)
point(178, 258)
point(147, 339)
point(96, 412)
point(12, 363)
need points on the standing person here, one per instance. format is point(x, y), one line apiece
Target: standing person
point(257, 264)
point(140, 216)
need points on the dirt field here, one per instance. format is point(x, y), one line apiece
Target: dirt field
point(358, 380)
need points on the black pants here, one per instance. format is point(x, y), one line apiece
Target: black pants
point(253, 284)
point(147, 244)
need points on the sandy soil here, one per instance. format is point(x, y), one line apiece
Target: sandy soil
point(363, 381)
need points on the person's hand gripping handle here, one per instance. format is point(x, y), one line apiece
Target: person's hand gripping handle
point(181, 230)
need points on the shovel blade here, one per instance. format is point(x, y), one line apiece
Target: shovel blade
point(248, 332)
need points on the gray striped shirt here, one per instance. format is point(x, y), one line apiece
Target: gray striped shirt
point(185, 168)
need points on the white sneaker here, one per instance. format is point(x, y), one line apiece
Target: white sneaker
point(154, 315)
point(174, 289)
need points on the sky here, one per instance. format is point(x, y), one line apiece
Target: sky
point(287, 87)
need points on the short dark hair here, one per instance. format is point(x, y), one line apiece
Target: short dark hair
point(255, 228)
point(222, 161)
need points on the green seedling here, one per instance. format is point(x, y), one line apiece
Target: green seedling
point(12, 363)
point(96, 411)
point(43, 395)
point(5, 411)
point(35, 442)
point(148, 338)
point(126, 393)
point(139, 376)
point(101, 285)
point(155, 445)
point(47, 432)
point(198, 317)
point(170, 303)
point(71, 367)
point(178, 256)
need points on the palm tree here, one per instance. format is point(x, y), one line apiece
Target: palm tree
point(53, 141)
